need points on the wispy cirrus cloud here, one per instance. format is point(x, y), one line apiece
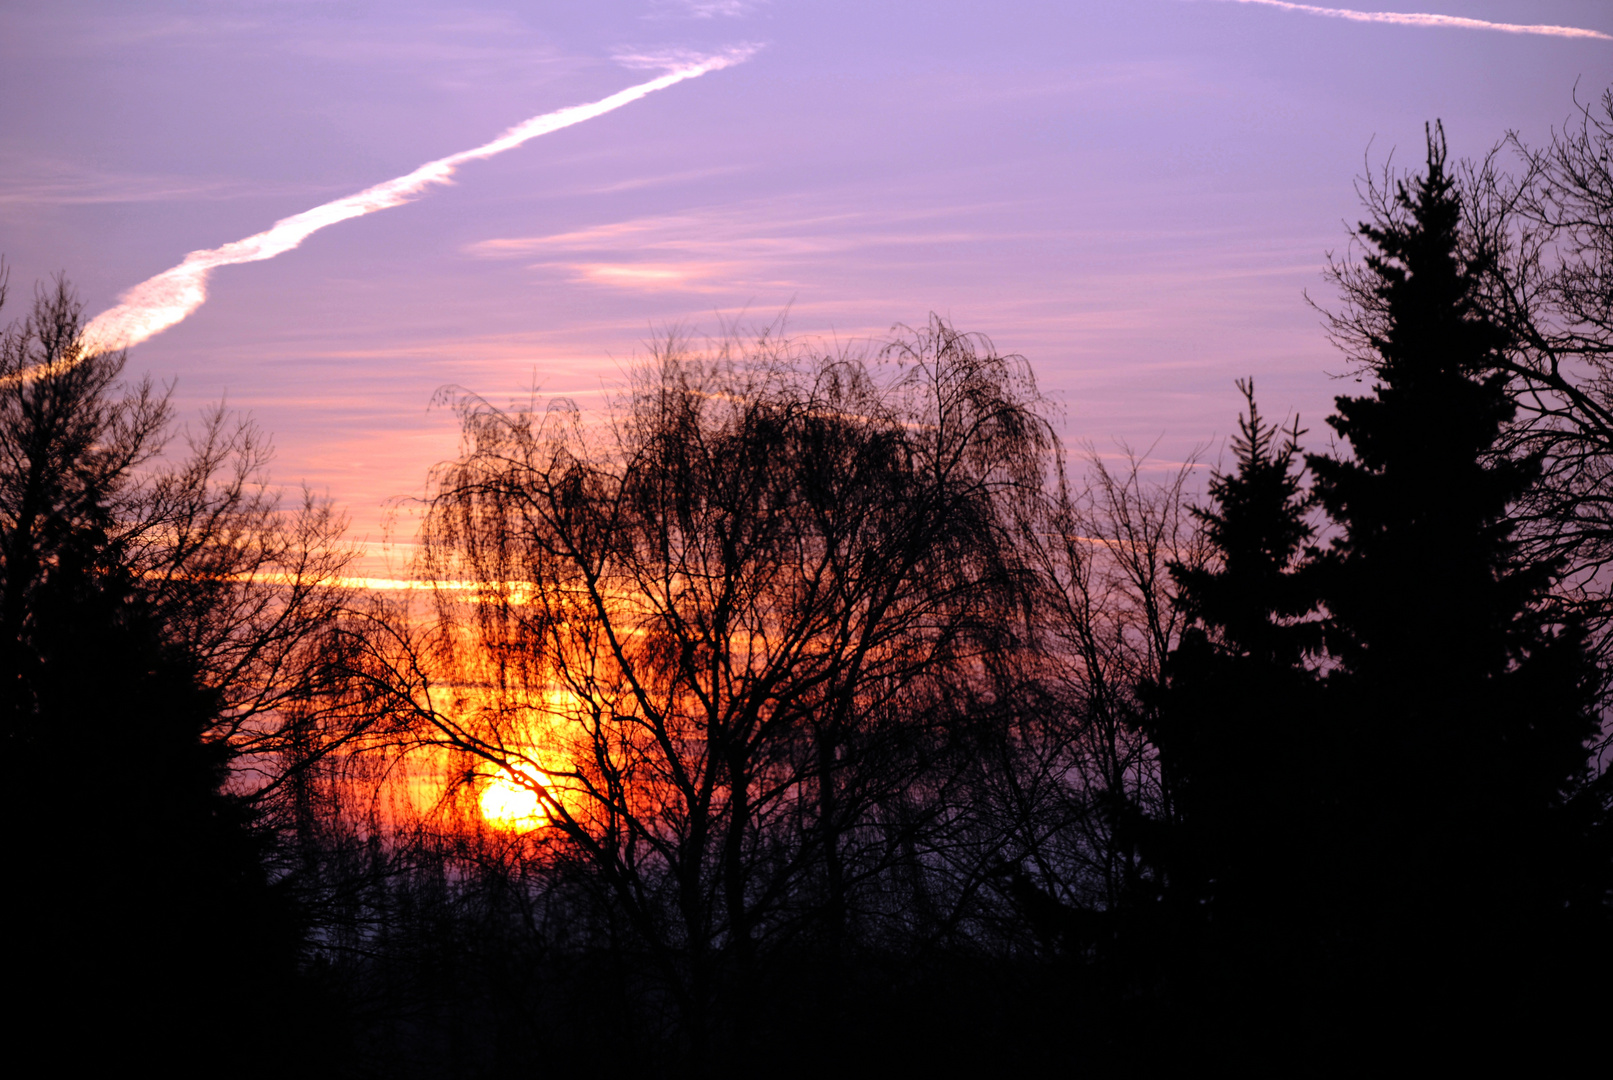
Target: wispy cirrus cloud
point(1425, 19)
point(705, 9)
point(663, 179)
point(57, 183)
point(738, 247)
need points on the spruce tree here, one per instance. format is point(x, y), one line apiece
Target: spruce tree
point(1461, 703)
point(1253, 599)
point(1237, 728)
point(144, 920)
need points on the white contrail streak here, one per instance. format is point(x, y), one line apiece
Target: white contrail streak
point(1419, 19)
point(159, 302)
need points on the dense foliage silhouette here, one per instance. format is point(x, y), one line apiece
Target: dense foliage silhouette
point(1464, 699)
point(1386, 811)
point(1242, 739)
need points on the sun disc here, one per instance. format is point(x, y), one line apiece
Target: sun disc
point(506, 803)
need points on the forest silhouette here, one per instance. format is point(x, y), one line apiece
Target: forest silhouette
point(846, 725)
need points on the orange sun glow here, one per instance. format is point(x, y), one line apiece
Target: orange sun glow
point(511, 803)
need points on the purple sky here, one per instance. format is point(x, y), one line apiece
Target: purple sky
point(1134, 195)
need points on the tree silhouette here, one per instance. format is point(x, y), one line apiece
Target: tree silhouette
point(1252, 602)
point(720, 640)
point(1239, 735)
point(1078, 795)
point(1547, 234)
point(1462, 706)
point(130, 652)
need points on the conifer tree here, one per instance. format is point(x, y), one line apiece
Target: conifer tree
point(1237, 728)
point(141, 908)
point(1252, 603)
point(1462, 705)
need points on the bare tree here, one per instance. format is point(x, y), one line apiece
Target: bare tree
point(1107, 620)
point(715, 638)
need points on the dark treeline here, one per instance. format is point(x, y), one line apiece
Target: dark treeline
point(855, 731)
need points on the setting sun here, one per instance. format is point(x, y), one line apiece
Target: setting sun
point(509, 803)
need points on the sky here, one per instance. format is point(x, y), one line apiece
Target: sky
point(1137, 196)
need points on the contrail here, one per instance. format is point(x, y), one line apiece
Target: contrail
point(1418, 19)
point(159, 302)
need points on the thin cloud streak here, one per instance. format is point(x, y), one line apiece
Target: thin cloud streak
point(65, 187)
point(778, 247)
point(166, 299)
point(1422, 19)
